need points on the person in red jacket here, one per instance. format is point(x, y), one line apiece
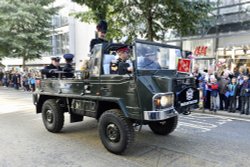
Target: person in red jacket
point(213, 86)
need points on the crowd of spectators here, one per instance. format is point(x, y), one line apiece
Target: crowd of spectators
point(224, 90)
point(19, 80)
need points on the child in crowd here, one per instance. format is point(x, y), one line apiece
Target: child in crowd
point(231, 93)
point(213, 86)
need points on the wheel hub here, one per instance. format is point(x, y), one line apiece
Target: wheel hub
point(49, 116)
point(113, 133)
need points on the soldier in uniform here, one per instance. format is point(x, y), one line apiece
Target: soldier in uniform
point(150, 61)
point(101, 33)
point(49, 71)
point(68, 67)
point(123, 58)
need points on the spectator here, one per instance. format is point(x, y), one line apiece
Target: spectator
point(1, 77)
point(5, 80)
point(213, 86)
point(26, 83)
point(232, 91)
point(16, 80)
point(245, 95)
point(32, 82)
point(223, 82)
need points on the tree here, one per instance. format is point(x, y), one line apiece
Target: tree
point(108, 10)
point(149, 19)
point(25, 28)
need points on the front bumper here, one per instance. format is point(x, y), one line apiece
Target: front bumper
point(160, 115)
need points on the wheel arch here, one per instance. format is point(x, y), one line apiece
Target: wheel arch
point(105, 105)
point(40, 102)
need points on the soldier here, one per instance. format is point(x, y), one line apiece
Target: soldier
point(68, 67)
point(49, 71)
point(123, 58)
point(150, 61)
point(101, 33)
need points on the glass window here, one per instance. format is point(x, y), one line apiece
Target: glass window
point(96, 60)
point(61, 44)
point(151, 57)
point(228, 10)
point(228, 2)
point(59, 21)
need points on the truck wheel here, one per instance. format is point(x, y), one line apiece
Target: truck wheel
point(52, 115)
point(164, 127)
point(116, 132)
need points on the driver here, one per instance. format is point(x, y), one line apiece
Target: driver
point(150, 61)
point(123, 53)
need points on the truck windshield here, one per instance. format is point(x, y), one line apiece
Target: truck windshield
point(152, 57)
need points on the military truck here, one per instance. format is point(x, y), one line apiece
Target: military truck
point(120, 102)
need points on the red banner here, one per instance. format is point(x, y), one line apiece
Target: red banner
point(184, 65)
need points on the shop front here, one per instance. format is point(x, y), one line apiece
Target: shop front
point(234, 52)
point(203, 56)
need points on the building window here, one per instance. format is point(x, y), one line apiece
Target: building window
point(60, 45)
point(226, 3)
point(59, 21)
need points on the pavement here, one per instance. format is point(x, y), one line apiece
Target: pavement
point(223, 113)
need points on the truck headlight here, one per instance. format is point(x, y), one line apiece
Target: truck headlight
point(163, 100)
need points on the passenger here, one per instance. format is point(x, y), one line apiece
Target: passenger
point(150, 61)
point(68, 67)
point(123, 54)
point(101, 34)
point(49, 71)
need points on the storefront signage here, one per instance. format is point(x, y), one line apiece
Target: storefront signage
point(201, 50)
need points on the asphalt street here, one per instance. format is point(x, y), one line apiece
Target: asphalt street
point(199, 140)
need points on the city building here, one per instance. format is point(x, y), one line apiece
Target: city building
point(227, 41)
point(68, 35)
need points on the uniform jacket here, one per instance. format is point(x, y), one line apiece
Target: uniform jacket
point(47, 71)
point(232, 89)
point(245, 88)
point(114, 66)
point(69, 70)
point(93, 42)
point(214, 89)
point(150, 64)
point(223, 85)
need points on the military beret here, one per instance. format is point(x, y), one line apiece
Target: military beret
point(68, 56)
point(55, 58)
point(123, 49)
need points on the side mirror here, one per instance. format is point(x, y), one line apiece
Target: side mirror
point(122, 69)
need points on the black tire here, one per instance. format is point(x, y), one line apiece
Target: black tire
point(116, 132)
point(53, 116)
point(164, 127)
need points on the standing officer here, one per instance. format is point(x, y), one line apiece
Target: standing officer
point(101, 28)
point(68, 67)
point(123, 59)
point(49, 71)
